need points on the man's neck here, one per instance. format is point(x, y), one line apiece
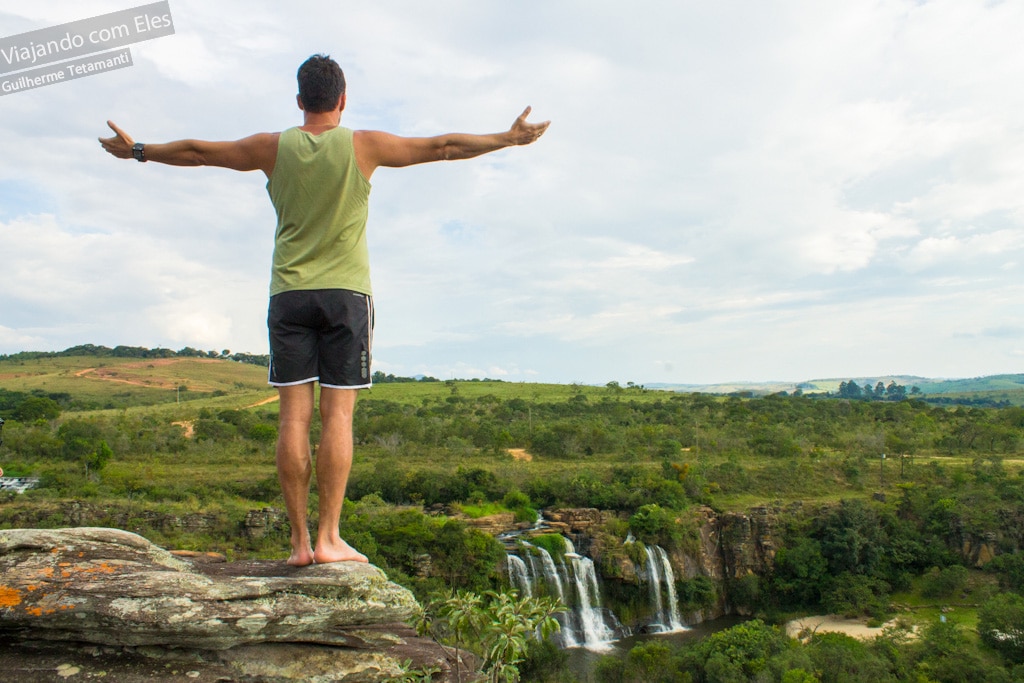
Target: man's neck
point(327, 119)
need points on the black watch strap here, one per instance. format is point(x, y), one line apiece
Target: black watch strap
point(139, 151)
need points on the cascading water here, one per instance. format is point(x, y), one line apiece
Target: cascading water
point(585, 623)
point(518, 575)
point(662, 582)
point(573, 580)
point(590, 616)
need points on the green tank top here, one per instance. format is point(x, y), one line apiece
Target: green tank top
point(322, 201)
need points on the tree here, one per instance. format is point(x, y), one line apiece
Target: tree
point(82, 440)
point(949, 655)
point(800, 571)
point(465, 556)
point(942, 583)
point(496, 626)
point(739, 653)
point(879, 391)
point(36, 408)
point(849, 390)
point(852, 595)
point(1001, 625)
point(895, 392)
point(99, 458)
point(656, 525)
point(839, 657)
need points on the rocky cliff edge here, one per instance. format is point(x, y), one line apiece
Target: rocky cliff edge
point(81, 603)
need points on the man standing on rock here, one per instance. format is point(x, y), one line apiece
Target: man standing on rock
point(321, 311)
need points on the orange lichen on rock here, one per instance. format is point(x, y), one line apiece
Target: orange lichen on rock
point(40, 611)
point(69, 570)
point(9, 597)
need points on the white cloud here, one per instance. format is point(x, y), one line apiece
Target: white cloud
point(736, 191)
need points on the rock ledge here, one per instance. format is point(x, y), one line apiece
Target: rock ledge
point(256, 621)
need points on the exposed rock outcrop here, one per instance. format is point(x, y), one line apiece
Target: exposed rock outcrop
point(491, 524)
point(576, 520)
point(263, 620)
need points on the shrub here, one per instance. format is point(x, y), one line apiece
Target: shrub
point(554, 544)
point(207, 429)
point(655, 525)
point(37, 408)
point(853, 595)
point(263, 433)
point(942, 583)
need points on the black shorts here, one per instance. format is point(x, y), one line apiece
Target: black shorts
point(320, 335)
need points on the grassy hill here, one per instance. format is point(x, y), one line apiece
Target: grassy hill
point(91, 383)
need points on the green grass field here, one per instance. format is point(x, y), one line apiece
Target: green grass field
point(170, 395)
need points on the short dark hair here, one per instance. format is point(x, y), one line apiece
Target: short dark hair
point(321, 83)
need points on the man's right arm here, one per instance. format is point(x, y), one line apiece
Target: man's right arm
point(375, 149)
point(256, 152)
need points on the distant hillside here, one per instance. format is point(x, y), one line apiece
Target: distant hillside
point(96, 377)
point(998, 388)
point(105, 382)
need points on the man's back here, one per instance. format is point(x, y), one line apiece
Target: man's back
point(321, 199)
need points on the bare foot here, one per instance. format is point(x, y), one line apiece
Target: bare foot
point(339, 551)
point(301, 558)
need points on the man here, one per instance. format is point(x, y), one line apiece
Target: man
point(321, 313)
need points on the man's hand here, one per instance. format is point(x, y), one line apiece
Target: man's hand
point(523, 132)
point(120, 145)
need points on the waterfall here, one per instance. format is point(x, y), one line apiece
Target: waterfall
point(551, 573)
point(585, 623)
point(519, 576)
point(675, 621)
point(659, 573)
point(591, 620)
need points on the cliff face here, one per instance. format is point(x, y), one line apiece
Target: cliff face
point(724, 547)
point(745, 542)
point(265, 620)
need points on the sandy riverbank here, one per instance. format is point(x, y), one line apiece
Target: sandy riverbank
point(857, 628)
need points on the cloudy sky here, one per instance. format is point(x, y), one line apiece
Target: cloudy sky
point(777, 190)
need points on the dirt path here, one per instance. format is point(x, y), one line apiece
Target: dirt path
point(100, 375)
point(520, 454)
point(262, 403)
point(113, 374)
point(189, 427)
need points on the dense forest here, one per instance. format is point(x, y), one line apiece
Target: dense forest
point(883, 508)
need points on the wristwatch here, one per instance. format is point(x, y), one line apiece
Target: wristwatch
point(139, 151)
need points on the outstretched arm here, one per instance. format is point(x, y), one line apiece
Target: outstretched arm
point(374, 148)
point(256, 152)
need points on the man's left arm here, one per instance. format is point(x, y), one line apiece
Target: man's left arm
point(375, 148)
point(254, 153)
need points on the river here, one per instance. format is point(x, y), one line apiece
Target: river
point(582, 661)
